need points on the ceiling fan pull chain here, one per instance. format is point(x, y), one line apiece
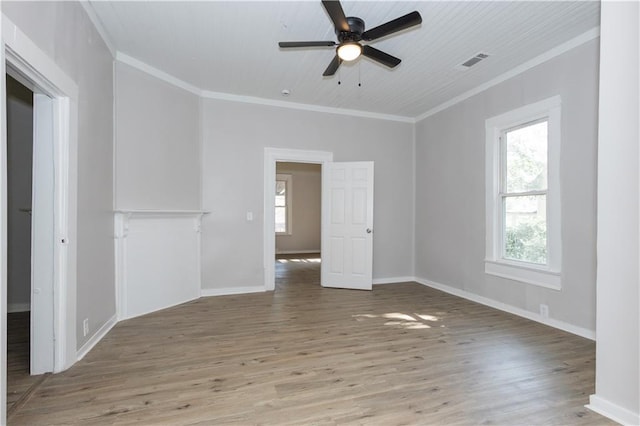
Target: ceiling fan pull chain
point(359, 79)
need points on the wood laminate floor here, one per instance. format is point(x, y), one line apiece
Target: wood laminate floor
point(400, 354)
point(19, 381)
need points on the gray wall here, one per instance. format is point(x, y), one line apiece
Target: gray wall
point(234, 137)
point(306, 205)
point(65, 33)
point(157, 143)
point(19, 161)
point(450, 188)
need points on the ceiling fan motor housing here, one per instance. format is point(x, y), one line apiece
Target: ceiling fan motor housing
point(356, 27)
point(350, 32)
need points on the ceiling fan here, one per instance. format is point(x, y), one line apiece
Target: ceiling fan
point(350, 32)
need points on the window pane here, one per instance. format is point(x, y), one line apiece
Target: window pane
point(525, 230)
point(281, 219)
point(281, 193)
point(526, 150)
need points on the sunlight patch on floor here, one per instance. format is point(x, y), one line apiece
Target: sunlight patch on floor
point(301, 260)
point(406, 321)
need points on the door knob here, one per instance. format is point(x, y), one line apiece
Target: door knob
point(369, 230)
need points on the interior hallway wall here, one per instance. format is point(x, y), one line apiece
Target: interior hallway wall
point(19, 174)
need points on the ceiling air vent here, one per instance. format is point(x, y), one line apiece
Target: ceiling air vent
point(471, 62)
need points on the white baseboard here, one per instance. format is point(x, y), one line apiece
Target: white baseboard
point(393, 280)
point(18, 307)
point(207, 292)
point(297, 251)
point(613, 411)
point(106, 327)
point(561, 325)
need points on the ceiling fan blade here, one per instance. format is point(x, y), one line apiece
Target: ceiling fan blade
point(398, 24)
point(333, 67)
point(334, 9)
point(380, 56)
point(306, 43)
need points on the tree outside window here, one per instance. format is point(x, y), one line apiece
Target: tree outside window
point(283, 204)
point(524, 193)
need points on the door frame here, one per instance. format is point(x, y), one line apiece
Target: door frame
point(22, 58)
point(271, 157)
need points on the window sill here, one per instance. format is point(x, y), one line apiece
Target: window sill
point(526, 274)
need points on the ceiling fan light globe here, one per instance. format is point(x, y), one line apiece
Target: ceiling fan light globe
point(349, 51)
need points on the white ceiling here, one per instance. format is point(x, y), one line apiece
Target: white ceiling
point(232, 47)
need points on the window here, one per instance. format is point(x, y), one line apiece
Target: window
point(523, 203)
point(523, 192)
point(283, 204)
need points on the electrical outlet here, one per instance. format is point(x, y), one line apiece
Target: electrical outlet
point(544, 310)
point(85, 326)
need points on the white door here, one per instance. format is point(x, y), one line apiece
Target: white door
point(347, 225)
point(42, 233)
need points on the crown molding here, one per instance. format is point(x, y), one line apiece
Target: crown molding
point(97, 23)
point(155, 72)
point(550, 54)
point(305, 107)
point(207, 94)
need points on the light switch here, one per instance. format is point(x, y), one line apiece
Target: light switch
point(249, 216)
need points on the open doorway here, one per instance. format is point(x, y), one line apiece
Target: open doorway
point(54, 206)
point(19, 110)
point(347, 218)
point(31, 180)
point(273, 156)
point(298, 215)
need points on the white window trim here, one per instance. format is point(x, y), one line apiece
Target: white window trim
point(289, 182)
point(549, 275)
